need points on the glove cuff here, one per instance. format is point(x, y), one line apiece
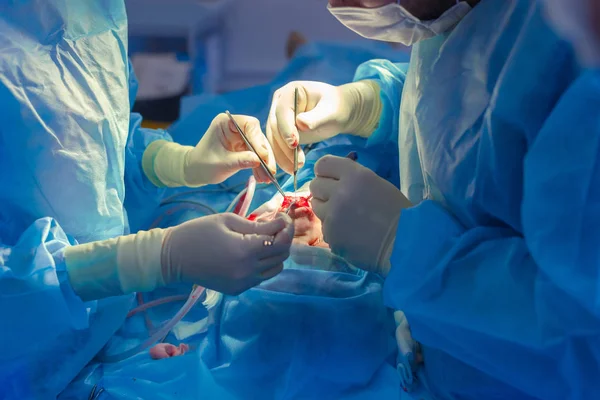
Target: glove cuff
point(385, 252)
point(113, 267)
point(171, 271)
point(164, 163)
point(367, 110)
point(139, 261)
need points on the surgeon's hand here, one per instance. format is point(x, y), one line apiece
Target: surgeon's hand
point(225, 252)
point(359, 212)
point(220, 153)
point(323, 112)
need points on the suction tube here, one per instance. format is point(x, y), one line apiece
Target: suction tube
point(161, 332)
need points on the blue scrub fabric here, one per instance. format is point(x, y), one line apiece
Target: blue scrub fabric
point(69, 151)
point(497, 269)
point(318, 330)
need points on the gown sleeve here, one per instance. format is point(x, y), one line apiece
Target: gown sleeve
point(521, 307)
point(48, 334)
point(142, 197)
point(390, 77)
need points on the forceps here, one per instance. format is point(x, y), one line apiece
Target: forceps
point(298, 144)
point(250, 147)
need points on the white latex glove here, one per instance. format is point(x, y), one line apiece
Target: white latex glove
point(220, 153)
point(323, 112)
point(359, 212)
point(223, 252)
point(226, 252)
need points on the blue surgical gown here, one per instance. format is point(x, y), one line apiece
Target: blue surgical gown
point(496, 267)
point(69, 151)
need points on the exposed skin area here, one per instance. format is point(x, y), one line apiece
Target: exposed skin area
point(307, 226)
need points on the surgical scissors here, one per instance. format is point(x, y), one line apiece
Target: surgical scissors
point(251, 147)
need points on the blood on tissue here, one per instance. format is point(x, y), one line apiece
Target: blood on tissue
point(238, 206)
point(298, 202)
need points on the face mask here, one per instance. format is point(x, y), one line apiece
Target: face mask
point(393, 23)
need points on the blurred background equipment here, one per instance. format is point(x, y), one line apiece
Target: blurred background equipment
point(206, 47)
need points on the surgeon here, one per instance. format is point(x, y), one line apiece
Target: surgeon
point(71, 156)
point(490, 248)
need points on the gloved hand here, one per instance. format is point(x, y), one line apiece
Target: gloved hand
point(359, 211)
point(220, 153)
point(323, 112)
point(223, 252)
point(226, 252)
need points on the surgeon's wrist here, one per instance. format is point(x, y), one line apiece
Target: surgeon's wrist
point(117, 266)
point(170, 269)
point(196, 168)
point(384, 262)
point(367, 107)
point(164, 163)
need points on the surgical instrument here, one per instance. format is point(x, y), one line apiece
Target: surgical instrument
point(251, 147)
point(297, 144)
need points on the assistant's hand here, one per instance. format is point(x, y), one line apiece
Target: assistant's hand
point(359, 212)
point(323, 112)
point(225, 252)
point(220, 153)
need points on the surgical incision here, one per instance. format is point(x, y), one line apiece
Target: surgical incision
point(308, 228)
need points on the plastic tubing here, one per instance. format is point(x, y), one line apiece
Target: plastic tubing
point(235, 201)
point(192, 299)
point(249, 195)
point(161, 332)
point(155, 303)
point(250, 189)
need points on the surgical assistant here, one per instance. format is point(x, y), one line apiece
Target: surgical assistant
point(490, 247)
point(72, 160)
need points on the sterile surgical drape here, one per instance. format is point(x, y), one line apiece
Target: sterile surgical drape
point(69, 154)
